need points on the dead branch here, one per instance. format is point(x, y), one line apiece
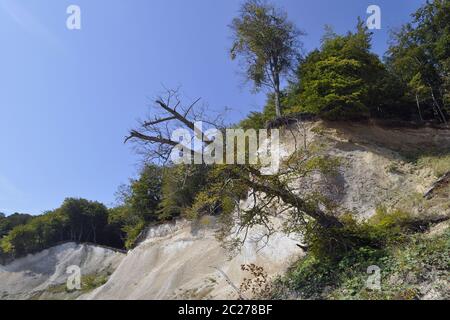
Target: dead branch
point(154, 135)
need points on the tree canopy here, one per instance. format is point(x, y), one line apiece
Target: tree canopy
point(343, 79)
point(268, 44)
point(420, 57)
point(77, 220)
point(10, 222)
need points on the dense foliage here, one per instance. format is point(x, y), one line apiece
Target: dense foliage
point(180, 187)
point(412, 264)
point(76, 220)
point(344, 80)
point(158, 195)
point(7, 223)
point(420, 58)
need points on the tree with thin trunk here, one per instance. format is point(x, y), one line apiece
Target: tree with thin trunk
point(418, 55)
point(267, 44)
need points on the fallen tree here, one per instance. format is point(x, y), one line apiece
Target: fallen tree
point(233, 183)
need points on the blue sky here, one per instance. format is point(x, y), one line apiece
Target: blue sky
point(67, 98)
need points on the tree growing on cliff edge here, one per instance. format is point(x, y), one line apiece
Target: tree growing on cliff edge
point(419, 56)
point(10, 222)
point(343, 79)
point(268, 45)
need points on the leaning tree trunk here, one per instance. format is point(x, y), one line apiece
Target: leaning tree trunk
point(444, 120)
point(323, 219)
point(251, 176)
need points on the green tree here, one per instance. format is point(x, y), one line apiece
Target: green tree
point(158, 194)
point(138, 205)
point(268, 44)
point(19, 241)
point(10, 222)
point(77, 220)
point(125, 224)
point(181, 184)
point(419, 55)
point(85, 219)
point(145, 193)
point(343, 79)
point(38, 233)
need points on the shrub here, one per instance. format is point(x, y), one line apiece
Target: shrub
point(93, 281)
point(440, 164)
point(339, 271)
point(133, 232)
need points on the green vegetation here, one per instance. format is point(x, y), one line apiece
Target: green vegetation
point(145, 193)
point(268, 45)
point(411, 263)
point(419, 57)
point(439, 164)
point(76, 220)
point(12, 221)
point(160, 194)
point(343, 80)
point(229, 185)
point(438, 160)
point(138, 204)
point(180, 187)
point(88, 283)
point(93, 281)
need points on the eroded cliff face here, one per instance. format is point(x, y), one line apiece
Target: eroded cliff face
point(43, 275)
point(378, 166)
point(185, 261)
point(181, 260)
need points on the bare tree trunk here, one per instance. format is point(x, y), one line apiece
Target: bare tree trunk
point(277, 95)
point(438, 107)
point(80, 235)
point(418, 107)
point(94, 233)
